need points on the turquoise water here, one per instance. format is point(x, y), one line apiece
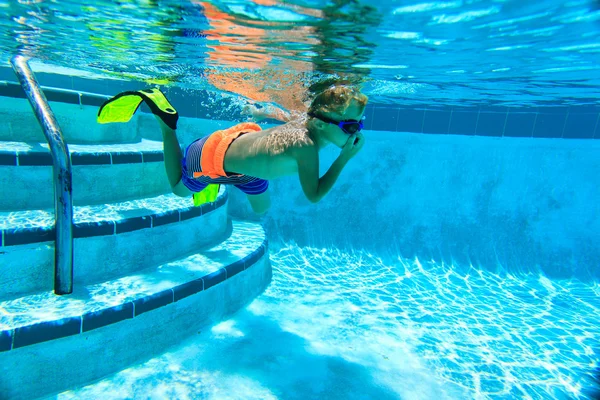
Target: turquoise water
point(356, 324)
point(339, 325)
point(405, 52)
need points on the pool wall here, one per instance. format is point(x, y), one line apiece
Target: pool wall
point(505, 204)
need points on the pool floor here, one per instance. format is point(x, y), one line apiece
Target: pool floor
point(337, 325)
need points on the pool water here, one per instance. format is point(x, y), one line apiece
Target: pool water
point(449, 83)
point(336, 325)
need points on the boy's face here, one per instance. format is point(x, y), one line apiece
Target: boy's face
point(334, 134)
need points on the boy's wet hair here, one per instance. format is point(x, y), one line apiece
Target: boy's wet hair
point(336, 99)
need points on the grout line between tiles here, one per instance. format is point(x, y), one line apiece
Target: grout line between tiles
point(505, 121)
point(562, 134)
point(534, 123)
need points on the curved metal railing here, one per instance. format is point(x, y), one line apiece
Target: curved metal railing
point(61, 160)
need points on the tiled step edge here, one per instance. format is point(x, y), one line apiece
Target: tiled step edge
point(50, 330)
point(20, 236)
point(44, 158)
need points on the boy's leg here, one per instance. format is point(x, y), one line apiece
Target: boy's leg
point(173, 157)
point(260, 203)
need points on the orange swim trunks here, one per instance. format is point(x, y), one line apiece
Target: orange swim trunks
point(204, 159)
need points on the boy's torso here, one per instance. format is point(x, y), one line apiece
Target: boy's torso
point(267, 154)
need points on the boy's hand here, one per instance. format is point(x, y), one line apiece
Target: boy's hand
point(253, 111)
point(352, 146)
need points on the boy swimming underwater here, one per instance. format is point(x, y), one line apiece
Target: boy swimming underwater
point(246, 156)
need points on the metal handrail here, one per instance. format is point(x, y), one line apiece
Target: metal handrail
point(61, 161)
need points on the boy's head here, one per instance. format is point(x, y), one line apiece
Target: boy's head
point(334, 105)
point(336, 100)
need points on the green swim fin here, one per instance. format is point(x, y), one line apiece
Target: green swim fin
point(206, 195)
point(121, 107)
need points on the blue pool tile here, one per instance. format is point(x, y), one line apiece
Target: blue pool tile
point(235, 268)
point(584, 109)
point(90, 159)
point(208, 207)
point(54, 80)
point(45, 331)
point(549, 125)
point(91, 85)
point(251, 259)
point(133, 224)
point(153, 302)
point(554, 109)
point(490, 124)
point(16, 237)
point(258, 253)
point(463, 123)
point(580, 126)
point(368, 121)
point(493, 109)
point(221, 200)
point(436, 122)
point(88, 100)
point(90, 229)
point(385, 119)
point(12, 90)
point(166, 218)
point(6, 340)
point(410, 120)
point(191, 212)
point(519, 124)
point(8, 159)
point(107, 316)
point(597, 133)
point(62, 97)
point(187, 289)
point(126, 158)
point(214, 278)
point(35, 158)
point(7, 74)
point(152, 156)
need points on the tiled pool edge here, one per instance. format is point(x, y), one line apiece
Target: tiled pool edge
point(44, 158)
point(21, 236)
point(74, 325)
point(556, 121)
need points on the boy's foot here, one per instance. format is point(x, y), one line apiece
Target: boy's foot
point(121, 107)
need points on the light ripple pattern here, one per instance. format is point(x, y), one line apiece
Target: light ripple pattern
point(46, 306)
point(96, 213)
point(356, 326)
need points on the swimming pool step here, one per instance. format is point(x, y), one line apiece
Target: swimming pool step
point(77, 122)
point(101, 328)
point(101, 173)
point(110, 240)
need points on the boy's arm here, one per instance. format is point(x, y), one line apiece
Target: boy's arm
point(316, 188)
point(269, 111)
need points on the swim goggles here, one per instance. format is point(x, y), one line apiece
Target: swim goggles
point(349, 126)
